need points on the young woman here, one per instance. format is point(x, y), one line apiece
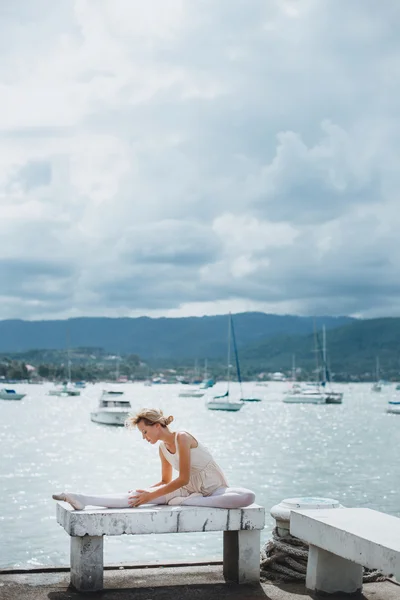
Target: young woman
point(200, 481)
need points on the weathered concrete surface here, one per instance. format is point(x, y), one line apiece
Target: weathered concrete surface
point(330, 573)
point(157, 519)
point(356, 535)
point(171, 583)
point(242, 556)
point(241, 527)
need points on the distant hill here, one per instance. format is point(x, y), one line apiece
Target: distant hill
point(161, 338)
point(352, 348)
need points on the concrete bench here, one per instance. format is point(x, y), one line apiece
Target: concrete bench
point(241, 543)
point(342, 542)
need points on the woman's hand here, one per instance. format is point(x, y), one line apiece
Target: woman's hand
point(139, 497)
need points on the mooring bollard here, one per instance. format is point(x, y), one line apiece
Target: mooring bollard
point(285, 557)
point(281, 512)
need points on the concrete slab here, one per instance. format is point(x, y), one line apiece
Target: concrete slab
point(204, 582)
point(364, 536)
point(157, 519)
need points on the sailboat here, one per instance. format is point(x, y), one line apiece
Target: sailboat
point(242, 398)
point(224, 401)
point(318, 392)
point(66, 388)
point(207, 381)
point(332, 397)
point(193, 392)
point(305, 394)
point(376, 387)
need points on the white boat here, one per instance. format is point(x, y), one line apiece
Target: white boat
point(393, 407)
point(304, 395)
point(319, 392)
point(191, 394)
point(64, 390)
point(113, 409)
point(224, 403)
point(10, 394)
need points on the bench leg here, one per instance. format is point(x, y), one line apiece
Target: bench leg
point(87, 563)
point(329, 573)
point(242, 556)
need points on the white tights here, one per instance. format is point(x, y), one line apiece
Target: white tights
point(223, 497)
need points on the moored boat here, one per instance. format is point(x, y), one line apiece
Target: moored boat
point(191, 394)
point(224, 403)
point(304, 395)
point(64, 390)
point(113, 409)
point(251, 399)
point(239, 376)
point(377, 386)
point(333, 397)
point(393, 407)
point(10, 394)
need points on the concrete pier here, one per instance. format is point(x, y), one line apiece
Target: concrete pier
point(199, 581)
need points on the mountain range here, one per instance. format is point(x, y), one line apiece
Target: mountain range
point(160, 338)
point(351, 348)
point(265, 342)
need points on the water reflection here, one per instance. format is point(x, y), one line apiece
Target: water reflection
point(346, 451)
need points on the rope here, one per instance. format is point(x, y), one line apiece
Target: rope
point(284, 559)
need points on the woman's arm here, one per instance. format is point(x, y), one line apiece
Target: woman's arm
point(166, 470)
point(183, 442)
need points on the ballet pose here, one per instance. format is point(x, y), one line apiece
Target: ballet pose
point(199, 482)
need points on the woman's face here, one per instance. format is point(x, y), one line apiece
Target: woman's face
point(150, 433)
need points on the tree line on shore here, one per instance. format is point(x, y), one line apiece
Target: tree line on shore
point(132, 368)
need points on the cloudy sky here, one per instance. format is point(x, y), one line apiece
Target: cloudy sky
point(189, 157)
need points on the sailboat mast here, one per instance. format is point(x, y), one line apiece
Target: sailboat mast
point(325, 366)
point(229, 351)
point(69, 367)
point(317, 378)
point(68, 356)
point(236, 358)
point(117, 368)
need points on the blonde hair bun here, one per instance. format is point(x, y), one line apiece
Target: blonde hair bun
point(150, 416)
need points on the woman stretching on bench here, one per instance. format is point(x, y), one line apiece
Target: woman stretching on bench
point(200, 481)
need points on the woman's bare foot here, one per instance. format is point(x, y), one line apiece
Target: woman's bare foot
point(72, 499)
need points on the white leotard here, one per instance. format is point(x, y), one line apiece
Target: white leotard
point(205, 475)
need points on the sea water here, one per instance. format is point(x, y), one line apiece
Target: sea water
point(49, 444)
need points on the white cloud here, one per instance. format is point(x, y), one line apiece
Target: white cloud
point(188, 158)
